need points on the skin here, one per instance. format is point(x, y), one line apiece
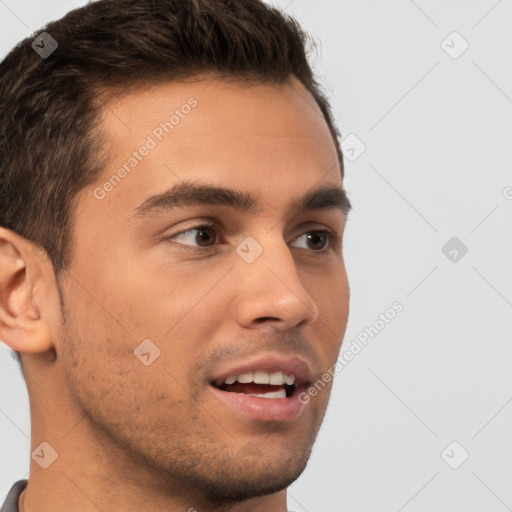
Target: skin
point(138, 438)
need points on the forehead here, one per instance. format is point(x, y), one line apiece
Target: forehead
point(247, 135)
point(207, 109)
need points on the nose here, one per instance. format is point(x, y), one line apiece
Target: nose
point(270, 291)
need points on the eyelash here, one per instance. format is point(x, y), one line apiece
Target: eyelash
point(331, 237)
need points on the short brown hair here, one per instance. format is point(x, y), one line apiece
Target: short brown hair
point(49, 144)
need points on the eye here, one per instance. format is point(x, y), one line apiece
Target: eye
point(204, 235)
point(318, 241)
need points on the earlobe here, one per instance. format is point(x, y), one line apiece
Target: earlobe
point(23, 326)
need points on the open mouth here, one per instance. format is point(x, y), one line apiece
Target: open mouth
point(260, 383)
point(265, 388)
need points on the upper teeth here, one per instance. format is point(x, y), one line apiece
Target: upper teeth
point(260, 377)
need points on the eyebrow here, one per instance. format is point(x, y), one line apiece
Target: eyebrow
point(191, 194)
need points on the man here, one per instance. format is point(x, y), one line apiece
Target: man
point(171, 266)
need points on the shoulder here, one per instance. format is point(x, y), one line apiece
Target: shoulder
point(11, 501)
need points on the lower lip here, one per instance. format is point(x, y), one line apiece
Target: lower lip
point(263, 409)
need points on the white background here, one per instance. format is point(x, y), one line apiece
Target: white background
point(437, 162)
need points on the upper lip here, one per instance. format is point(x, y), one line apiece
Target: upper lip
point(268, 363)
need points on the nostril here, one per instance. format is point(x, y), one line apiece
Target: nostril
point(265, 319)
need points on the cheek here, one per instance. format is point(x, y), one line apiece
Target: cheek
point(161, 301)
point(111, 385)
point(331, 292)
point(341, 299)
point(107, 344)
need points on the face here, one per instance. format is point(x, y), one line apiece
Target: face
point(212, 261)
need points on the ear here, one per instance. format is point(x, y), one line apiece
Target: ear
point(28, 293)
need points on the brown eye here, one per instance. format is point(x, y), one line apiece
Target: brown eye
point(316, 241)
point(204, 235)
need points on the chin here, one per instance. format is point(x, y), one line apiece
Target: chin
point(251, 478)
